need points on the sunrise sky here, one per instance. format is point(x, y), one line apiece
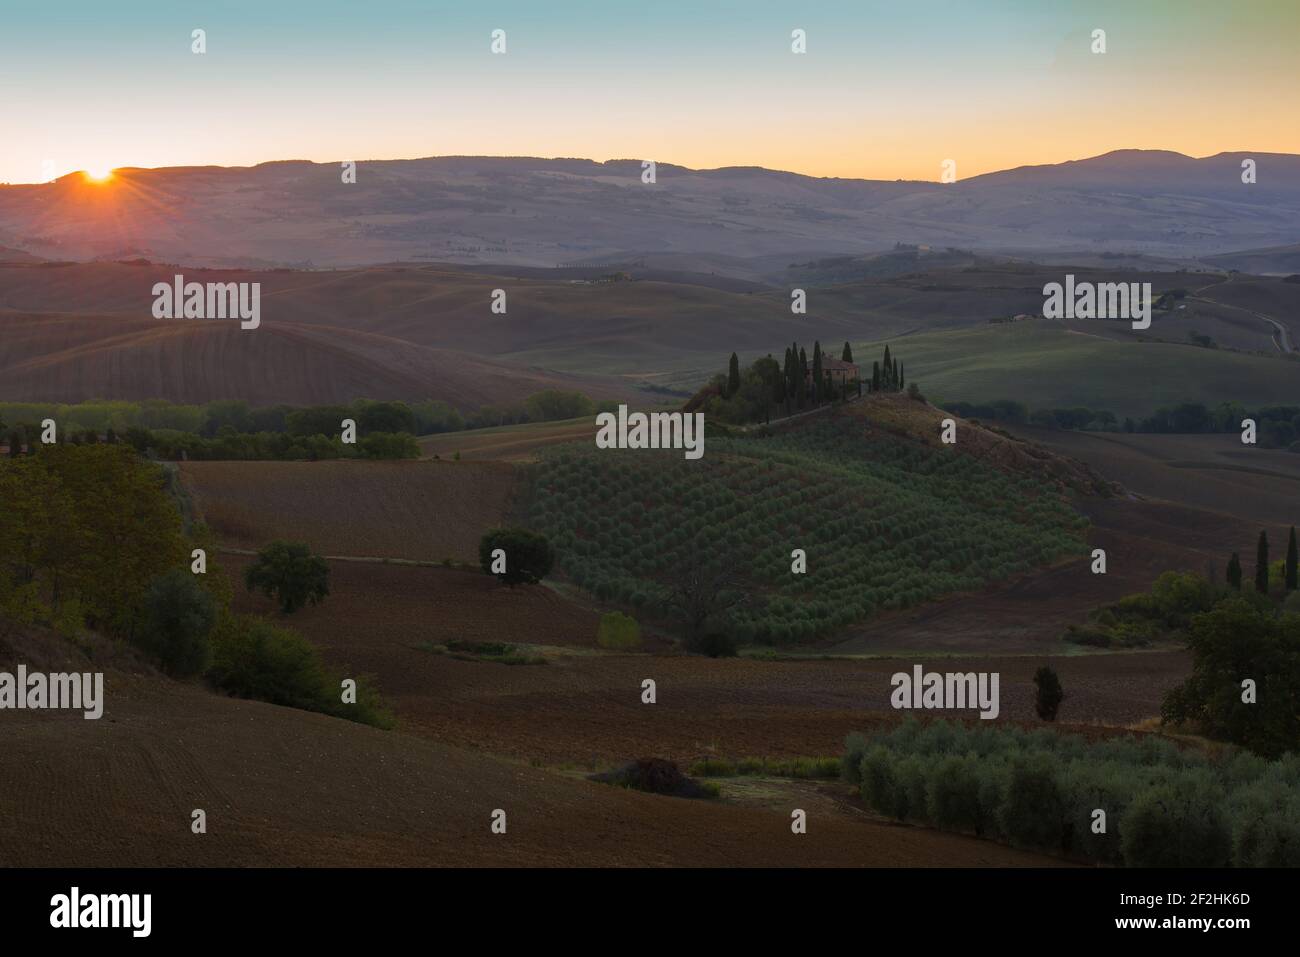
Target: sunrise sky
point(886, 90)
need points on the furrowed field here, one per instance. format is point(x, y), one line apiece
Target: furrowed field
point(886, 524)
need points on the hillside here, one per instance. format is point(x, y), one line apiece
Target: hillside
point(289, 788)
point(548, 212)
point(885, 521)
point(1056, 364)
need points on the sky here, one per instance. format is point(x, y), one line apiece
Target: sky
point(886, 90)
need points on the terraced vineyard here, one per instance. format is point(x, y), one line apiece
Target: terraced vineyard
point(886, 523)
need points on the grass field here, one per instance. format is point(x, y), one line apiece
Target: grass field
point(1052, 364)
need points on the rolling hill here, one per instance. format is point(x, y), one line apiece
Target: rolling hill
point(549, 212)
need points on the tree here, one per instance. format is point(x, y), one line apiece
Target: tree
point(733, 377)
point(289, 572)
point(875, 376)
point(177, 622)
point(1049, 695)
point(900, 377)
point(700, 593)
point(1234, 572)
point(819, 392)
point(1261, 564)
point(803, 378)
point(1291, 562)
point(1234, 642)
point(847, 354)
point(524, 558)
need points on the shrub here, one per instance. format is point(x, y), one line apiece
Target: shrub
point(1047, 699)
point(178, 618)
point(954, 795)
point(850, 765)
point(290, 573)
point(657, 776)
point(618, 631)
point(526, 558)
point(1031, 813)
point(715, 645)
point(878, 785)
point(254, 659)
point(1176, 826)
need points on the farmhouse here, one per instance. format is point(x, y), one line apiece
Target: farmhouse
point(841, 372)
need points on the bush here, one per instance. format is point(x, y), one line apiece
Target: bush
point(954, 795)
point(618, 631)
point(715, 645)
point(1047, 700)
point(527, 555)
point(1031, 814)
point(177, 622)
point(1176, 826)
point(254, 659)
point(289, 572)
point(657, 776)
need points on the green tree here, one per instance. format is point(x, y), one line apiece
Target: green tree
point(515, 555)
point(178, 618)
point(875, 376)
point(1231, 644)
point(802, 373)
point(819, 390)
point(290, 573)
point(1261, 564)
point(847, 354)
point(1234, 572)
point(1049, 695)
point(733, 376)
point(1291, 562)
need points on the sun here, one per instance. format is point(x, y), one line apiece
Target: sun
point(99, 174)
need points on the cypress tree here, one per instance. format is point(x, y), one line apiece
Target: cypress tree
point(733, 376)
point(1261, 564)
point(802, 372)
point(819, 393)
point(1234, 572)
point(900, 377)
point(1291, 562)
point(885, 367)
point(875, 376)
point(894, 377)
point(847, 355)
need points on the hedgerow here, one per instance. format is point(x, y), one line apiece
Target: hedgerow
point(1164, 806)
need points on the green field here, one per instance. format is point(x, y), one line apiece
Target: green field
point(885, 523)
point(1051, 366)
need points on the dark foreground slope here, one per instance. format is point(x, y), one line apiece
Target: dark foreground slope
point(289, 788)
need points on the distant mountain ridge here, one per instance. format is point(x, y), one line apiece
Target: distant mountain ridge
point(550, 212)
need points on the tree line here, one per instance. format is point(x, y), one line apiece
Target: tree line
point(1278, 426)
point(795, 384)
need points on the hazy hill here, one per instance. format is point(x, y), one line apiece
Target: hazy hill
point(737, 220)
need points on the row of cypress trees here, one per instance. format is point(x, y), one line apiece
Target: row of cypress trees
point(1290, 572)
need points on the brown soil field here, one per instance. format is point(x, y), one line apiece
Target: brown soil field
point(510, 443)
point(72, 357)
point(416, 510)
point(1212, 472)
point(288, 788)
point(583, 706)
